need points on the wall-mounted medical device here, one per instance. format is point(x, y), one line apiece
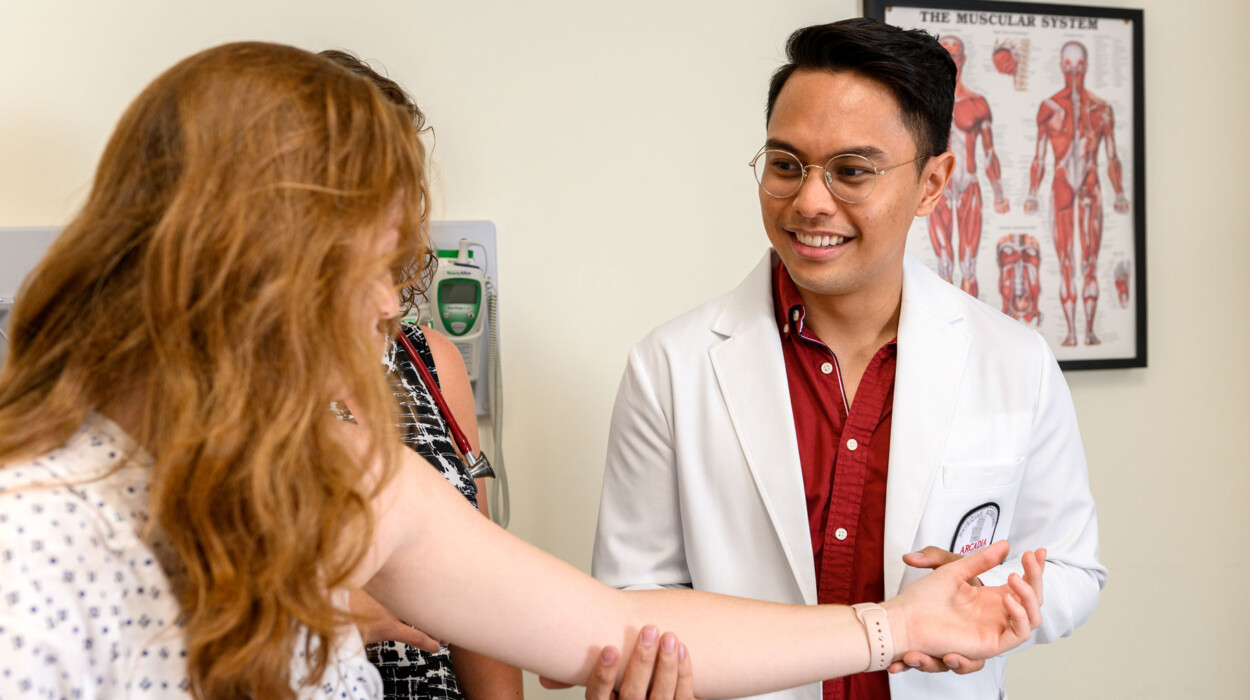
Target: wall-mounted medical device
point(455, 305)
point(462, 303)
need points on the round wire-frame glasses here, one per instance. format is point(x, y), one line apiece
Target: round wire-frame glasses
point(849, 176)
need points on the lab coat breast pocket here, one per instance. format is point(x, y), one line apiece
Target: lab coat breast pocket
point(982, 476)
point(972, 505)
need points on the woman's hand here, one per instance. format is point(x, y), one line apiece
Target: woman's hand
point(379, 625)
point(931, 558)
point(942, 615)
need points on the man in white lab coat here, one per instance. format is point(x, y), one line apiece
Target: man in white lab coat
point(844, 407)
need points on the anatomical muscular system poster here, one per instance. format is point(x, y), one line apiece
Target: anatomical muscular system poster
point(1041, 215)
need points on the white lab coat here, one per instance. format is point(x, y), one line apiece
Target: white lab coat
point(703, 485)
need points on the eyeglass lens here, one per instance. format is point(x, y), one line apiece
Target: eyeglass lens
point(850, 178)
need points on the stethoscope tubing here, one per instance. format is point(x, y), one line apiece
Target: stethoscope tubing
point(479, 467)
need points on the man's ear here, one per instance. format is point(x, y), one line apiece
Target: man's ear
point(937, 172)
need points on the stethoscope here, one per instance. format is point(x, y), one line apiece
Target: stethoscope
point(479, 467)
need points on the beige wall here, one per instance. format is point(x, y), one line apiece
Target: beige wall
point(609, 142)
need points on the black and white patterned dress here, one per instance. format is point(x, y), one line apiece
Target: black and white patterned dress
point(408, 672)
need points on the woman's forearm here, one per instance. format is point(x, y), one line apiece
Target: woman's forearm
point(440, 565)
point(477, 586)
point(746, 647)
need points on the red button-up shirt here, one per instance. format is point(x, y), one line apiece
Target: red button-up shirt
point(844, 450)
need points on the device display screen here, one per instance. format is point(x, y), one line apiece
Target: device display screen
point(458, 292)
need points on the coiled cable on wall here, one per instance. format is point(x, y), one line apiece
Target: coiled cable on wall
point(498, 493)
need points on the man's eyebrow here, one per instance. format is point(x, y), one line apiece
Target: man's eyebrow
point(870, 152)
point(779, 145)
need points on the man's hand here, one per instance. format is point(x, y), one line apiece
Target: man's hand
point(659, 669)
point(379, 625)
point(1121, 204)
point(1001, 205)
point(1030, 204)
point(932, 557)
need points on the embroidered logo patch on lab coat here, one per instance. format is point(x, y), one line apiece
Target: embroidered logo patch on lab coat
point(976, 529)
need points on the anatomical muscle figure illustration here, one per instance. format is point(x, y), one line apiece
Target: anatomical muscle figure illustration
point(1019, 260)
point(1074, 123)
point(972, 120)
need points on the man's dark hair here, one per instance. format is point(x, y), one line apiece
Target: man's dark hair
point(910, 62)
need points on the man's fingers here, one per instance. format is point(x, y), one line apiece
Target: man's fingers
point(664, 679)
point(929, 558)
point(979, 562)
point(1024, 594)
point(602, 681)
point(1034, 567)
point(1019, 628)
point(933, 557)
point(638, 670)
point(918, 661)
point(957, 663)
point(963, 665)
point(685, 674)
point(1028, 600)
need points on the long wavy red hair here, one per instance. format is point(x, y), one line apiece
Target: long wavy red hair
point(217, 273)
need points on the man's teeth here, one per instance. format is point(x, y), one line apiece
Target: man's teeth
point(818, 241)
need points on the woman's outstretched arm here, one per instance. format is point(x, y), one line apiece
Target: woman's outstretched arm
point(483, 589)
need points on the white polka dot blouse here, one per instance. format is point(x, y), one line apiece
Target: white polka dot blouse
point(86, 609)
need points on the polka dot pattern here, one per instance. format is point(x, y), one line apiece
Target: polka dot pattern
point(86, 609)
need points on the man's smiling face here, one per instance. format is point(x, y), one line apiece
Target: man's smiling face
point(832, 248)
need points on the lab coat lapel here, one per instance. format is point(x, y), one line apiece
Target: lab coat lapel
point(932, 353)
point(751, 374)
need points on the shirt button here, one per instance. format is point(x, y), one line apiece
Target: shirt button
point(852, 445)
point(840, 533)
point(794, 315)
point(827, 368)
point(785, 328)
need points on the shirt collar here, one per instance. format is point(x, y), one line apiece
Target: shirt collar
point(788, 307)
point(787, 303)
